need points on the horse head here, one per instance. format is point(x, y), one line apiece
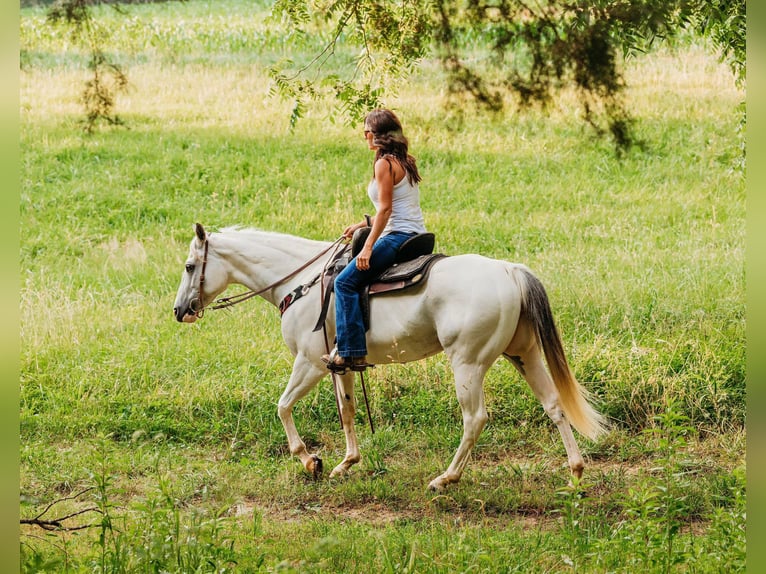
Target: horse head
point(202, 280)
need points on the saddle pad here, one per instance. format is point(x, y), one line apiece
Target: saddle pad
point(406, 274)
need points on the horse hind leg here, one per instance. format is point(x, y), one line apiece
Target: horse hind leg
point(531, 367)
point(469, 385)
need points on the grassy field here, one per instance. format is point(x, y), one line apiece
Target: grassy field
point(170, 432)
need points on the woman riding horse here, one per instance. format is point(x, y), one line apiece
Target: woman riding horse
point(395, 195)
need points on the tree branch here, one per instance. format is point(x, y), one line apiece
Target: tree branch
point(58, 523)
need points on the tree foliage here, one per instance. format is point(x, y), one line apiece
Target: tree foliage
point(489, 49)
point(725, 23)
point(108, 78)
point(536, 48)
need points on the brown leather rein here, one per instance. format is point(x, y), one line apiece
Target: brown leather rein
point(240, 297)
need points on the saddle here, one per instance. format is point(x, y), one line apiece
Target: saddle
point(415, 246)
point(412, 266)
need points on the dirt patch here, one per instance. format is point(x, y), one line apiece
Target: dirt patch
point(383, 515)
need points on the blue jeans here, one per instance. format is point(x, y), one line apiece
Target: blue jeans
point(349, 323)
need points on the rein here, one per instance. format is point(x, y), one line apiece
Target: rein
point(240, 297)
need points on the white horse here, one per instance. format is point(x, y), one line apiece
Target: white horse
point(473, 308)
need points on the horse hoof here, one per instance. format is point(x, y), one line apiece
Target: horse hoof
point(318, 466)
point(339, 471)
point(437, 485)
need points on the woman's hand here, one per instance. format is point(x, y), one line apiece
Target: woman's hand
point(349, 231)
point(363, 259)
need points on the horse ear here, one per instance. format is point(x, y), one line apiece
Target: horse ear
point(200, 231)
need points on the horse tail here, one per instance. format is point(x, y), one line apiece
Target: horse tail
point(574, 399)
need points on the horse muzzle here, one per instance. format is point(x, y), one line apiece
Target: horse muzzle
point(187, 315)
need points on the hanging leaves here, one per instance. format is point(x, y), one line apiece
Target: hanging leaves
point(99, 94)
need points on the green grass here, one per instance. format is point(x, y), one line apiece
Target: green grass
point(176, 427)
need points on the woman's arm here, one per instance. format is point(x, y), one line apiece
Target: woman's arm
point(384, 176)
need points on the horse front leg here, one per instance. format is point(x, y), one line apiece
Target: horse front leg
point(304, 377)
point(347, 403)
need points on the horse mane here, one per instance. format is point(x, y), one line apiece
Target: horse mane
point(238, 228)
point(267, 236)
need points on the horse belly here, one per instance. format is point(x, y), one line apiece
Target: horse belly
point(401, 328)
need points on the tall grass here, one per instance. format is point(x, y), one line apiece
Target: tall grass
point(643, 258)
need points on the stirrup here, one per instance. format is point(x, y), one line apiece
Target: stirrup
point(338, 364)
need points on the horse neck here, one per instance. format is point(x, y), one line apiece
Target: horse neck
point(257, 259)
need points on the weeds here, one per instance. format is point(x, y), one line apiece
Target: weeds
point(656, 529)
point(573, 513)
point(152, 535)
point(657, 508)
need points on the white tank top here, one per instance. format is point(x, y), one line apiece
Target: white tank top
point(406, 215)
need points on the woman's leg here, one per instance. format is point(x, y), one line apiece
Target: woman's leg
point(349, 323)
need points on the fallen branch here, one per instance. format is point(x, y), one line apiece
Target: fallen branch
point(58, 523)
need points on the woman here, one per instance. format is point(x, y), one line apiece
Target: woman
point(394, 193)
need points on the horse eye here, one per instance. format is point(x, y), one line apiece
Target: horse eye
point(190, 267)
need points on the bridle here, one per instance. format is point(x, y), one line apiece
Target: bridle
point(240, 297)
point(201, 312)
